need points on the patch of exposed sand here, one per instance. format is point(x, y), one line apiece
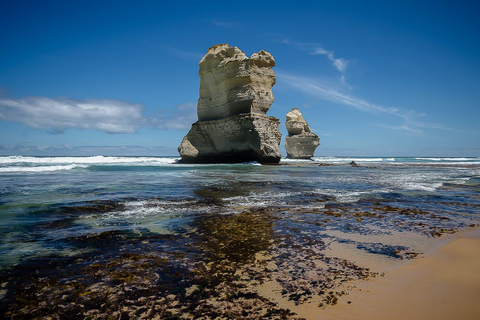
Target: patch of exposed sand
point(443, 284)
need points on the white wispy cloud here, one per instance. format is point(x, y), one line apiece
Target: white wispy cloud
point(339, 63)
point(410, 119)
point(402, 127)
point(334, 91)
point(446, 128)
point(56, 115)
point(111, 116)
point(326, 92)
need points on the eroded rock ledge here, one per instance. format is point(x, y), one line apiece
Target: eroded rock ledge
point(301, 142)
point(235, 95)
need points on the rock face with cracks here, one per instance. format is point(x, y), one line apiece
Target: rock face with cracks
point(300, 142)
point(235, 95)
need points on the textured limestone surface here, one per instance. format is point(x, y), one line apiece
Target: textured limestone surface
point(300, 142)
point(241, 138)
point(235, 95)
point(231, 83)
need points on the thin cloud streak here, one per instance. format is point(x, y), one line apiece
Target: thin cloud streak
point(322, 91)
point(111, 116)
point(411, 123)
point(340, 64)
point(56, 115)
point(411, 119)
point(444, 128)
point(402, 127)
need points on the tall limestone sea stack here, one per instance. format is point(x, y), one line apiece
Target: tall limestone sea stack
point(235, 95)
point(300, 142)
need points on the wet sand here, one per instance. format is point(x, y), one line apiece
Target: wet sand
point(442, 284)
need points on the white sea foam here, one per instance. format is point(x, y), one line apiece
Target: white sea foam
point(287, 160)
point(101, 160)
point(415, 181)
point(448, 159)
point(400, 160)
point(260, 199)
point(429, 159)
point(344, 196)
point(21, 164)
point(16, 169)
point(141, 209)
point(350, 159)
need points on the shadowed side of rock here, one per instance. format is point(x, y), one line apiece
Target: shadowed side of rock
point(241, 138)
point(235, 94)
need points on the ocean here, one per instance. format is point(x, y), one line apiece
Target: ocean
point(139, 237)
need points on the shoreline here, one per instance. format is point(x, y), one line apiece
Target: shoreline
point(442, 284)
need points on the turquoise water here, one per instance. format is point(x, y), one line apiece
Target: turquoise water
point(94, 209)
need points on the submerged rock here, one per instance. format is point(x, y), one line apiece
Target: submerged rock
point(300, 142)
point(235, 95)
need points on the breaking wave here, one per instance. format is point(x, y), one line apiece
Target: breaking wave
point(16, 169)
point(88, 160)
point(22, 164)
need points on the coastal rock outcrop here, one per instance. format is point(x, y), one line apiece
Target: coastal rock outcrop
point(301, 142)
point(235, 95)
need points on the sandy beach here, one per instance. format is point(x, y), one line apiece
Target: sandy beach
point(442, 284)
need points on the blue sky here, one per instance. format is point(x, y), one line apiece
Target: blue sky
point(372, 78)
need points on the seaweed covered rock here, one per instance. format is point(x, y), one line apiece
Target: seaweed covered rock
point(300, 142)
point(235, 95)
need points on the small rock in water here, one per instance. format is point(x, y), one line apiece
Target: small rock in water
point(354, 164)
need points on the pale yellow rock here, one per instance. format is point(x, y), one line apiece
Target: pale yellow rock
point(231, 83)
point(241, 138)
point(235, 95)
point(295, 123)
point(300, 142)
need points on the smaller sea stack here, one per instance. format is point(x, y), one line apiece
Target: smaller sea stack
point(300, 142)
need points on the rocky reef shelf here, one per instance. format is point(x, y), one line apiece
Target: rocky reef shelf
point(249, 264)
